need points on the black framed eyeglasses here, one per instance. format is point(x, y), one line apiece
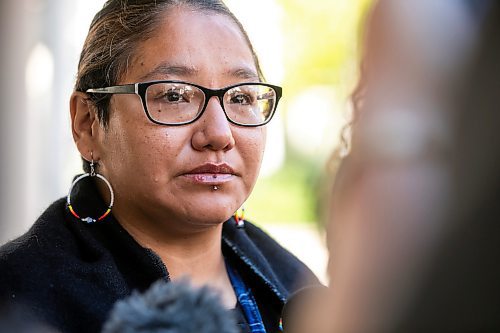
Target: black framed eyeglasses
point(179, 103)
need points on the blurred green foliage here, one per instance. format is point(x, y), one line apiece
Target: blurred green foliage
point(321, 42)
point(321, 39)
point(288, 196)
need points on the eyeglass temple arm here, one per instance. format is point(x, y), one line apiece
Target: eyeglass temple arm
point(124, 89)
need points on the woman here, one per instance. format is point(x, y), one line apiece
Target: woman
point(169, 115)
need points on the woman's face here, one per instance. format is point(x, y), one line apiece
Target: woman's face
point(152, 167)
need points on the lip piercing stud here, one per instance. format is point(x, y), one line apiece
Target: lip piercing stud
point(215, 187)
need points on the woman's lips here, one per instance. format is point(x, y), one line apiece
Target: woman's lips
point(209, 178)
point(211, 174)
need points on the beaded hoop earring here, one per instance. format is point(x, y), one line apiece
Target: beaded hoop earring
point(239, 217)
point(92, 173)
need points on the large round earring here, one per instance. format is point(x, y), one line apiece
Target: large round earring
point(92, 173)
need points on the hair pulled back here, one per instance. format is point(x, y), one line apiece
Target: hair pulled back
point(114, 35)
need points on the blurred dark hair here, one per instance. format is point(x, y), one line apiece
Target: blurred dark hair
point(115, 33)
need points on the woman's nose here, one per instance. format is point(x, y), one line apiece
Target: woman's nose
point(213, 130)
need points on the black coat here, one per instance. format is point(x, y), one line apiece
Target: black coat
point(69, 274)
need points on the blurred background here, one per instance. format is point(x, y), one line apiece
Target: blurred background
point(308, 47)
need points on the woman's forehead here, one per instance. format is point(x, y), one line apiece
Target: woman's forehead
point(188, 43)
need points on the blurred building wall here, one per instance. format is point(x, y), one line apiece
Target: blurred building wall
point(17, 35)
point(39, 46)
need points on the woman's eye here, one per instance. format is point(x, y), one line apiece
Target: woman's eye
point(175, 96)
point(241, 99)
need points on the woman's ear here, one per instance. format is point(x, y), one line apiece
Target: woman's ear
point(85, 125)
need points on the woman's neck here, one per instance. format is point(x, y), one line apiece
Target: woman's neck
point(196, 255)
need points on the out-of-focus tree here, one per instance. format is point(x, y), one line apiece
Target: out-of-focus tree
point(321, 39)
point(311, 49)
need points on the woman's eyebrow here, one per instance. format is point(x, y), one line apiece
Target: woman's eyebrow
point(167, 69)
point(244, 73)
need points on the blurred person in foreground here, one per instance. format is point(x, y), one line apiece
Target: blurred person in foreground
point(460, 290)
point(397, 197)
point(169, 114)
point(393, 198)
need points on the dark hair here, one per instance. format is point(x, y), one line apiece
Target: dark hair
point(114, 34)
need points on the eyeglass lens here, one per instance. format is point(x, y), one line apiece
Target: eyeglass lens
point(173, 103)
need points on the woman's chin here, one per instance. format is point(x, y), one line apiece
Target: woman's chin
point(215, 205)
point(210, 216)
